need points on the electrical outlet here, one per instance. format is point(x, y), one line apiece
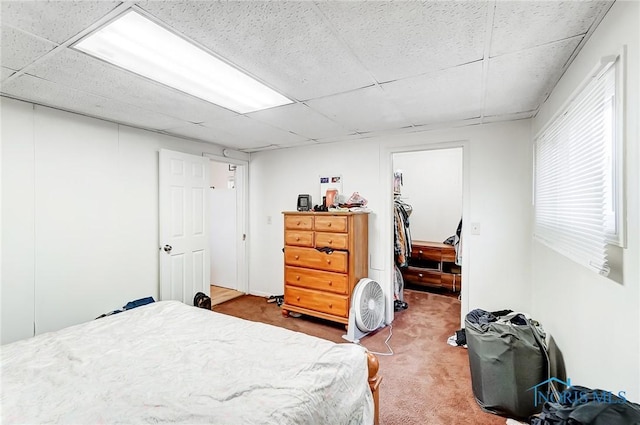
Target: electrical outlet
point(475, 228)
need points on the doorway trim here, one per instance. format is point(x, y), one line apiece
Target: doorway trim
point(386, 183)
point(242, 218)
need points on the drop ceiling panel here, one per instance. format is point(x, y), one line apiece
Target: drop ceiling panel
point(285, 44)
point(56, 21)
point(301, 120)
point(6, 73)
point(400, 39)
point(82, 72)
point(344, 138)
point(519, 82)
point(361, 110)
point(303, 143)
point(254, 133)
point(520, 25)
point(199, 132)
point(449, 95)
point(19, 49)
point(46, 93)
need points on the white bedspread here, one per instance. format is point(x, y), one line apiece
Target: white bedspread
point(168, 362)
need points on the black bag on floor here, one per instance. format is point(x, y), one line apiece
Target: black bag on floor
point(584, 406)
point(202, 300)
point(507, 357)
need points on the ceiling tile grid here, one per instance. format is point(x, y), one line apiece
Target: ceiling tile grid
point(56, 21)
point(300, 119)
point(361, 110)
point(521, 25)
point(530, 73)
point(448, 95)
point(199, 132)
point(45, 93)
point(82, 72)
point(285, 44)
point(6, 73)
point(400, 39)
point(19, 49)
point(254, 133)
point(354, 68)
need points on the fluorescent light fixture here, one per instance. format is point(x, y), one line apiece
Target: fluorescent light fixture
point(136, 43)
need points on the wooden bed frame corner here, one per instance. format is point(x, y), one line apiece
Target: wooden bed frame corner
point(374, 383)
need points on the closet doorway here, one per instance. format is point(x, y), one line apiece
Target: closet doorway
point(227, 235)
point(429, 187)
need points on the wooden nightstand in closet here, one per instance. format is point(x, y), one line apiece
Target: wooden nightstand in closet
point(432, 264)
point(325, 256)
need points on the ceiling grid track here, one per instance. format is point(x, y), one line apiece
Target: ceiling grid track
point(60, 47)
point(488, 36)
point(346, 45)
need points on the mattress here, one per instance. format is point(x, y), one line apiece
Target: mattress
point(172, 363)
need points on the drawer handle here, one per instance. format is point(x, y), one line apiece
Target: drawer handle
point(297, 238)
point(328, 261)
point(420, 252)
point(420, 275)
point(297, 298)
point(297, 277)
point(330, 305)
point(330, 283)
point(297, 257)
point(330, 241)
point(298, 223)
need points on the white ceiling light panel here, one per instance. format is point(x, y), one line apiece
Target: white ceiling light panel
point(142, 46)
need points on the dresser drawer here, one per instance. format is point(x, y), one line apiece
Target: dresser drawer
point(300, 222)
point(420, 252)
point(298, 237)
point(337, 305)
point(315, 279)
point(427, 277)
point(451, 281)
point(331, 223)
point(338, 261)
point(332, 240)
point(449, 254)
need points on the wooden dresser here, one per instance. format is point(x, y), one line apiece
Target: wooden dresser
point(432, 264)
point(325, 256)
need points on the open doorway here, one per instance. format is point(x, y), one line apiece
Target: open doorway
point(227, 236)
point(428, 208)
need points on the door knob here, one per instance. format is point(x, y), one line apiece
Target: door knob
point(167, 248)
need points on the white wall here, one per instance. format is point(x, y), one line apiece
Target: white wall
point(596, 321)
point(79, 216)
point(18, 262)
point(433, 187)
point(499, 161)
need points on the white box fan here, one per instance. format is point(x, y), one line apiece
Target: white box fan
point(367, 310)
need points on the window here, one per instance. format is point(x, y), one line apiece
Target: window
point(578, 172)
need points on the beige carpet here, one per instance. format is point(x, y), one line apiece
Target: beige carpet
point(425, 382)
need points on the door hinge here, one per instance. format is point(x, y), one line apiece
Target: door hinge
point(244, 237)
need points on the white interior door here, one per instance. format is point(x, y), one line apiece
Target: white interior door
point(184, 226)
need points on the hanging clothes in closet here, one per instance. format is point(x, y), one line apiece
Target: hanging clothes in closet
point(402, 249)
point(402, 238)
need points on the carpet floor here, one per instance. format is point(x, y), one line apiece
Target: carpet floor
point(426, 381)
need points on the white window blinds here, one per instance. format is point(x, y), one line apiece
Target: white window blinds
point(573, 174)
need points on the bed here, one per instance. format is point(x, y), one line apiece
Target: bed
point(172, 363)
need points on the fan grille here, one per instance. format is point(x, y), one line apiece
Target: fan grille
point(370, 305)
